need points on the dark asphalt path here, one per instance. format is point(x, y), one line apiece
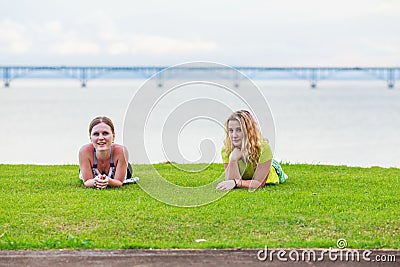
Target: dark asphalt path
point(177, 258)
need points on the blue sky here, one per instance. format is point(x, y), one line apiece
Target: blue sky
point(251, 32)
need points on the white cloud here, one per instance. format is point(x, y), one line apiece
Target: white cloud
point(118, 48)
point(388, 7)
point(75, 47)
point(53, 27)
point(59, 40)
point(269, 32)
point(153, 44)
point(47, 36)
point(117, 42)
point(12, 38)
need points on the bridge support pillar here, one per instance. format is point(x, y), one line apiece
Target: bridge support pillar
point(6, 77)
point(83, 76)
point(313, 78)
point(390, 78)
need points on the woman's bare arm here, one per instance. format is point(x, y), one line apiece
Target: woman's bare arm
point(259, 178)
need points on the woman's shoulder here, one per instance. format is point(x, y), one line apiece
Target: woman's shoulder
point(120, 152)
point(264, 143)
point(88, 148)
point(225, 155)
point(223, 150)
point(119, 149)
point(86, 153)
point(265, 151)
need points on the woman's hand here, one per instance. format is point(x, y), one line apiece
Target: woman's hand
point(226, 185)
point(101, 181)
point(236, 154)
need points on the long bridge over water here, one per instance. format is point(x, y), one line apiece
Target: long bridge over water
point(311, 74)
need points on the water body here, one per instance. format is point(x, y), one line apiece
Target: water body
point(354, 123)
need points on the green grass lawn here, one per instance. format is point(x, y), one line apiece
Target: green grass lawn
point(47, 207)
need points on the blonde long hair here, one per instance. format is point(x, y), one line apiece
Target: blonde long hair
point(252, 137)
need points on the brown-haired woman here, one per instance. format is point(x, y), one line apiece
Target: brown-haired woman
point(103, 163)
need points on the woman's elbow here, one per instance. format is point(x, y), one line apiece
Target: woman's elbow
point(88, 183)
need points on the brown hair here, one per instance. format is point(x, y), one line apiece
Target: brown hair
point(252, 138)
point(99, 120)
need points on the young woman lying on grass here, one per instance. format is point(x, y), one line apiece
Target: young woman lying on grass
point(103, 163)
point(247, 157)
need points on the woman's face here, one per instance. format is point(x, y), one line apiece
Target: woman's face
point(101, 137)
point(235, 133)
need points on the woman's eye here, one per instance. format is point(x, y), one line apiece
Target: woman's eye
point(230, 130)
point(95, 134)
point(106, 133)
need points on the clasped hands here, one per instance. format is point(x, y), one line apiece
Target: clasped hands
point(101, 181)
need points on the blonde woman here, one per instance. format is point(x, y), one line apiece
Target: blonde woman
point(247, 157)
